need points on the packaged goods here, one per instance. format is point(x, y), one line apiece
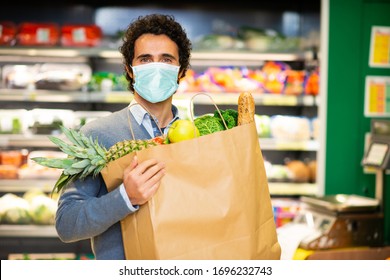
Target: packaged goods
point(48, 121)
point(32, 170)
point(299, 170)
point(14, 158)
point(312, 83)
point(274, 76)
point(8, 171)
point(38, 34)
point(54, 76)
point(19, 76)
point(47, 76)
point(294, 82)
point(263, 125)
point(79, 35)
point(7, 32)
point(13, 121)
point(290, 128)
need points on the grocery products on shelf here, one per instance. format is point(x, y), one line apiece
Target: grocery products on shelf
point(8, 31)
point(248, 38)
point(33, 207)
point(48, 34)
point(285, 210)
point(295, 128)
point(47, 76)
point(297, 171)
point(81, 35)
point(271, 78)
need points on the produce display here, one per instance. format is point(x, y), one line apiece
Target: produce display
point(48, 122)
point(273, 77)
point(13, 121)
point(291, 128)
point(33, 207)
point(296, 171)
point(249, 38)
point(87, 157)
point(44, 120)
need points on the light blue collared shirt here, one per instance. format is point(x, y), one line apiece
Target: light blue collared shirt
point(142, 117)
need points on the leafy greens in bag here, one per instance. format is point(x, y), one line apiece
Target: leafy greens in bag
point(208, 124)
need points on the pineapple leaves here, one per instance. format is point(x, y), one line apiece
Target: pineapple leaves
point(61, 163)
point(85, 156)
point(73, 136)
point(62, 181)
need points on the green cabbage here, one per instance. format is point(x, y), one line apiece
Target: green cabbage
point(208, 124)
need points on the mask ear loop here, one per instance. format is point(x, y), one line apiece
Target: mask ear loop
point(151, 116)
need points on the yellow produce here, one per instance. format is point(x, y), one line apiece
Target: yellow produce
point(182, 130)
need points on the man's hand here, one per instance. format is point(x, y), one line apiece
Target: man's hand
point(141, 180)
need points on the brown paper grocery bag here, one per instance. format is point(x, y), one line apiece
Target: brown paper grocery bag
point(213, 202)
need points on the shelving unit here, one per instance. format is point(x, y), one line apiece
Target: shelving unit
point(199, 58)
point(20, 98)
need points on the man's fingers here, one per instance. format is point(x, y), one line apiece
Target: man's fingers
point(133, 164)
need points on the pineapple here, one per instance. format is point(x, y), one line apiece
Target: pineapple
point(86, 157)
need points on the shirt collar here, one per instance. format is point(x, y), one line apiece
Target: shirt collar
point(140, 114)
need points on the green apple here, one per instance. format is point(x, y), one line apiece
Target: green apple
point(182, 130)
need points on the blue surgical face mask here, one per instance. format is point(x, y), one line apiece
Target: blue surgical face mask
point(156, 82)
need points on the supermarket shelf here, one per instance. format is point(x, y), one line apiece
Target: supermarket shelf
point(23, 185)
point(284, 145)
point(197, 56)
point(265, 99)
point(293, 189)
point(276, 188)
point(27, 141)
point(42, 141)
point(28, 231)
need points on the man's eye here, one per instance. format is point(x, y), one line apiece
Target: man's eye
point(146, 60)
point(166, 60)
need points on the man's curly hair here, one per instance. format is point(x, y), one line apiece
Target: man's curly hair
point(156, 24)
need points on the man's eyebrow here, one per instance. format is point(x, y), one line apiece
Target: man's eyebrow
point(143, 56)
point(168, 56)
point(165, 55)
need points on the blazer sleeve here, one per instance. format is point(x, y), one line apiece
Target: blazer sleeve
point(86, 209)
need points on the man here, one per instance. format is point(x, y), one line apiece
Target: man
point(156, 54)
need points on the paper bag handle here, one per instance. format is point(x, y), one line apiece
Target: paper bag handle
point(212, 101)
point(153, 118)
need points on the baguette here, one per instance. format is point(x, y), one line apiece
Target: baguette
point(246, 108)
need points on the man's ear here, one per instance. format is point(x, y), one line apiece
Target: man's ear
point(129, 71)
